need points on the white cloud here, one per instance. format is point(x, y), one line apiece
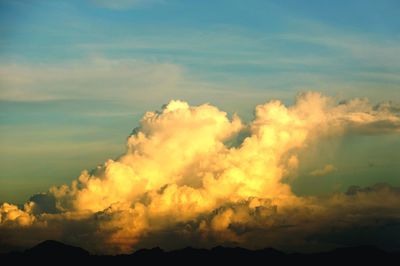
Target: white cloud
point(96, 78)
point(372, 49)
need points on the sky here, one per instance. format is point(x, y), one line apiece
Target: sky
point(77, 77)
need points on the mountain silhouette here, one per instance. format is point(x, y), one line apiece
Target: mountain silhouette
point(55, 248)
point(50, 252)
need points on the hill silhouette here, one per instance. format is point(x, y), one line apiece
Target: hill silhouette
point(55, 248)
point(50, 252)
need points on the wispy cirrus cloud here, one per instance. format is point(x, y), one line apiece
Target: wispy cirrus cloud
point(95, 78)
point(329, 58)
point(364, 48)
point(124, 4)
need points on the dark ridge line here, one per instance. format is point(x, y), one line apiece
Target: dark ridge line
point(52, 251)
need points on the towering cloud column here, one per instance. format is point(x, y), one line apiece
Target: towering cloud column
point(194, 175)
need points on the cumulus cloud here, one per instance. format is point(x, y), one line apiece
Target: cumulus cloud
point(193, 175)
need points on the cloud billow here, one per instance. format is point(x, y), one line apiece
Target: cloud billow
point(182, 182)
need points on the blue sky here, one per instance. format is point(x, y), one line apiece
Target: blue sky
point(76, 76)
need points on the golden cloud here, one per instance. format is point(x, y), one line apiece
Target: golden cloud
point(194, 175)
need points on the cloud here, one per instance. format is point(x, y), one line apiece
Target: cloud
point(328, 168)
point(191, 174)
point(369, 48)
point(88, 79)
point(123, 4)
point(12, 214)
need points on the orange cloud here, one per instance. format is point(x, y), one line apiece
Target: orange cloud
point(328, 168)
